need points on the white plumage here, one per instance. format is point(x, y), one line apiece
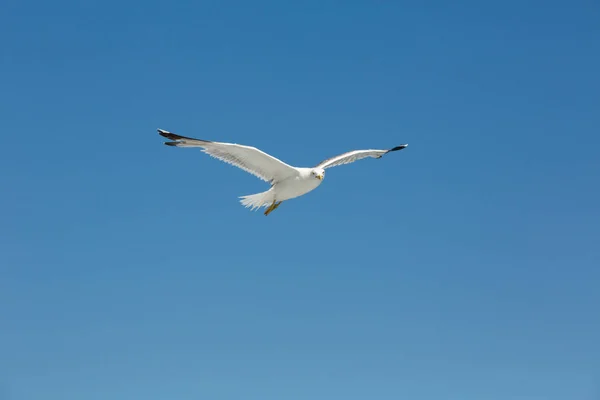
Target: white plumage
point(287, 182)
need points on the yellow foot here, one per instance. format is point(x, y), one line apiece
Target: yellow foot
point(272, 207)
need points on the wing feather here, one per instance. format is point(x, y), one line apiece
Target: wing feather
point(247, 158)
point(356, 155)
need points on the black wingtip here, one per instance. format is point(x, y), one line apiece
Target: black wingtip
point(402, 146)
point(174, 136)
point(168, 135)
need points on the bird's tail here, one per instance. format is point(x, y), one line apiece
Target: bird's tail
point(257, 200)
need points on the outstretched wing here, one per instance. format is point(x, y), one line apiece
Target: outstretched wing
point(355, 155)
point(250, 159)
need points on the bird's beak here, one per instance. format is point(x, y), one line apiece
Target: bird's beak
point(320, 177)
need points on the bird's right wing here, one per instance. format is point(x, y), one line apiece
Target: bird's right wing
point(250, 159)
point(356, 155)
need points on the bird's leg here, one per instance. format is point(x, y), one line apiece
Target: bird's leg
point(272, 207)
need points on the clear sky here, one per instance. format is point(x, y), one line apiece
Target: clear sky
point(465, 267)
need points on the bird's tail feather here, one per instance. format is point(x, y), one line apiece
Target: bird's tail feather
point(257, 200)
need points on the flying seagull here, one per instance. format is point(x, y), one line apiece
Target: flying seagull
point(287, 182)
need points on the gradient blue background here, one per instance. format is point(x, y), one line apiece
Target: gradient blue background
point(465, 267)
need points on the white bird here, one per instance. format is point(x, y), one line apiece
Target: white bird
point(287, 182)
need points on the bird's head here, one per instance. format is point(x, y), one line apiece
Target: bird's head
point(318, 173)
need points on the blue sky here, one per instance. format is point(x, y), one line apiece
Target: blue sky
point(464, 267)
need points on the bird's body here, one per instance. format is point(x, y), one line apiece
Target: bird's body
point(289, 188)
point(287, 182)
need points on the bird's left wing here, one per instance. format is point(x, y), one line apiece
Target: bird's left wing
point(250, 159)
point(355, 155)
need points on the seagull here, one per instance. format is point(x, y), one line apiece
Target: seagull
point(287, 182)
